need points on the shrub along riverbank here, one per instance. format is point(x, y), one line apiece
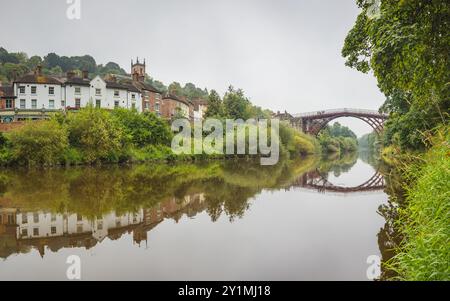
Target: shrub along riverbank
point(94, 136)
point(424, 221)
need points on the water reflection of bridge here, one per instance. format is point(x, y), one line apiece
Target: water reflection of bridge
point(315, 180)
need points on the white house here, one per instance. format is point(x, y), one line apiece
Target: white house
point(37, 91)
point(110, 94)
point(77, 90)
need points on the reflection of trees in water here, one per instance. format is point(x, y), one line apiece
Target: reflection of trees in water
point(94, 191)
point(388, 237)
point(338, 164)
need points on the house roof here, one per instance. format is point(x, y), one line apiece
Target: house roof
point(176, 98)
point(7, 92)
point(33, 78)
point(78, 81)
point(145, 86)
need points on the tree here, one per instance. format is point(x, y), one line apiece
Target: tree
point(143, 129)
point(41, 143)
point(236, 104)
point(215, 105)
point(96, 133)
point(408, 47)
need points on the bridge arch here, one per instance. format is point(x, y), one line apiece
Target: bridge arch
point(313, 122)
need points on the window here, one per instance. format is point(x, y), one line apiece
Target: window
point(24, 232)
point(11, 219)
point(36, 231)
point(133, 96)
point(77, 90)
point(98, 103)
point(51, 90)
point(23, 104)
point(116, 103)
point(24, 218)
point(116, 93)
point(35, 217)
point(34, 104)
point(33, 89)
point(157, 96)
point(9, 104)
point(98, 92)
point(53, 230)
point(22, 89)
point(157, 107)
point(63, 104)
point(77, 103)
point(51, 104)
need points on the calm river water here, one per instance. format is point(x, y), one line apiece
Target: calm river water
point(309, 219)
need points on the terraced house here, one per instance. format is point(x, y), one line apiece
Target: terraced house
point(36, 95)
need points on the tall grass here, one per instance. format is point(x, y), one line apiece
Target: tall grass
point(425, 221)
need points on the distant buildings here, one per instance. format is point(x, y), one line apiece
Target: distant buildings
point(35, 95)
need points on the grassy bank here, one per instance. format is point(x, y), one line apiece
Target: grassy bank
point(424, 221)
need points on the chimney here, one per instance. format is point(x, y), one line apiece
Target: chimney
point(85, 74)
point(70, 75)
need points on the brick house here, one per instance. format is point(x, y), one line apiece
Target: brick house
point(174, 105)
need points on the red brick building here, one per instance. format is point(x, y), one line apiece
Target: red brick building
point(177, 106)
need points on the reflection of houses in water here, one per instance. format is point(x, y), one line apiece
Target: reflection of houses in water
point(21, 230)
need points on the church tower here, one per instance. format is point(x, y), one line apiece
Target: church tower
point(138, 70)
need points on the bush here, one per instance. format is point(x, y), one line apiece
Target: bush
point(96, 134)
point(424, 253)
point(296, 142)
point(42, 143)
point(143, 129)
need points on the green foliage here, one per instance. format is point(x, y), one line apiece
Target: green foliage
point(96, 134)
point(337, 139)
point(408, 47)
point(215, 105)
point(235, 104)
point(39, 143)
point(296, 142)
point(424, 253)
point(143, 129)
point(369, 142)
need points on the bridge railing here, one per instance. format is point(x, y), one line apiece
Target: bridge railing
point(338, 111)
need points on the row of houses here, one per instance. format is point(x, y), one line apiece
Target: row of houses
point(35, 95)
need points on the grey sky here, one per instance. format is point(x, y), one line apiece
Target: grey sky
point(285, 54)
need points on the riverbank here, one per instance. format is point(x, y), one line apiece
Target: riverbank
point(95, 136)
point(423, 219)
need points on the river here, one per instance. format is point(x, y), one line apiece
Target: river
point(307, 219)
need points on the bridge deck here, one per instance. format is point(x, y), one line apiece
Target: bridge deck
point(339, 111)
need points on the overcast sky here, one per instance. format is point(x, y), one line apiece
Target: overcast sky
point(285, 54)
